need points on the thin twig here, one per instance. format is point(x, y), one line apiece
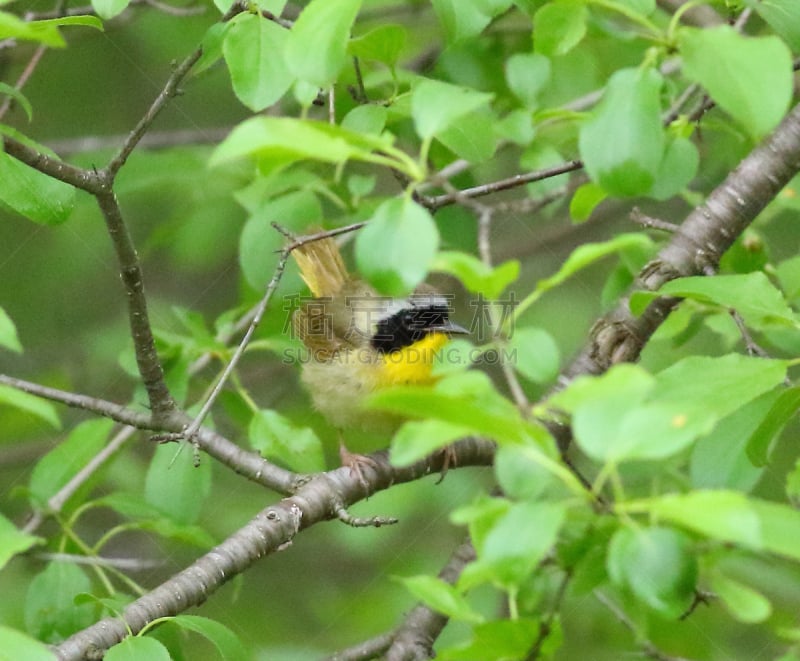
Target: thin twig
point(517, 180)
point(150, 140)
point(170, 90)
point(750, 345)
point(191, 429)
point(27, 72)
point(675, 110)
point(699, 15)
point(56, 502)
point(652, 223)
point(126, 564)
point(361, 91)
point(546, 624)
point(174, 11)
point(700, 597)
point(646, 645)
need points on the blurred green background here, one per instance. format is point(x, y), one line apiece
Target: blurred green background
point(334, 586)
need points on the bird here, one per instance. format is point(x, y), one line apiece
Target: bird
point(359, 342)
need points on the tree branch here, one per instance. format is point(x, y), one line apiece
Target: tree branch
point(696, 247)
point(414, 639)
point(161, 402)
point(248, 464)
point(269, 531)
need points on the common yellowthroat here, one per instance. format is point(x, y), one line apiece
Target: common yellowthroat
point(359, 342)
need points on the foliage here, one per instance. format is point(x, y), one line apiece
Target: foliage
point(627, 506)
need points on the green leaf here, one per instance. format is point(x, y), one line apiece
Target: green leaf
point(86, 20)
point(782, 411)
point(317, 47)
point(253, 47)
point(498, 639)
point(729, 516)
point(643, 7)
point(107, 9)
point(259, 239)
point(720, 460)
point(749, 77)
point(395, 251)
point(677, 169)
point(8, 333)
point(481, 517)
point(226, 642)
point(622, 143)
point(30, 193)
point(30, 404)
point(526, 75)
point(435, 106)
point(383, 44)
point(16, 645)
point(793, 485)
point(464, 398)
point(788, 272)
point(211, 45)
point(276, 437)
point(516, 126)
point(416, 439)
point(69, 457)
point(365, 119)
point(582, 257)
point(519, 540)
point(519, 473)
point(657, 565)
point(535, 353)
point(468, 138)
point(50, 613)
point(14, 541)
point(19, 97)
point(559, 26)
point(462, 20)
point(783, 16)
point(760, 303)
point(13, 27)
point(474, 274)
point(137, 648)
point(585, 200)
point(744, 603)
point(151, 518)
point(626, 414)
point(441, 597)
point(175, 485)
point(280, 141)
point(599, 405)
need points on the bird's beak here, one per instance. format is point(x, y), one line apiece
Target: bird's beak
point(450, 328)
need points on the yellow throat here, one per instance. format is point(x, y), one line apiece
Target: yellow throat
point(414, 363)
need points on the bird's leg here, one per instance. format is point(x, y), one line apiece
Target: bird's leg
point(356, 463)
point(450, 459)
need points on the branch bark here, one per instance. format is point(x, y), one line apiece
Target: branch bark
point(269, 531)
point(695, 248)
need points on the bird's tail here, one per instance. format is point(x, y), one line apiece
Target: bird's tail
point(321, 267)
